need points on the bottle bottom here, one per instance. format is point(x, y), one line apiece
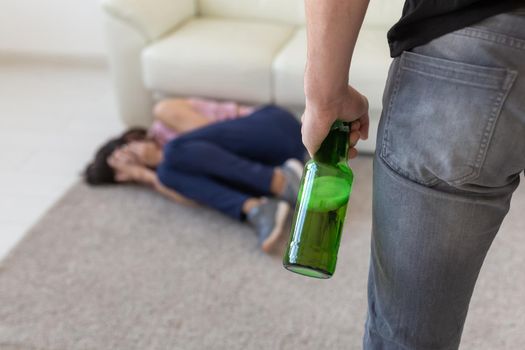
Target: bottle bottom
point(308, 271)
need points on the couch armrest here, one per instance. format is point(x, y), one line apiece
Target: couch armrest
point(151, 18)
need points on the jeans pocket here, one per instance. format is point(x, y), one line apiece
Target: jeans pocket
point(440, 118)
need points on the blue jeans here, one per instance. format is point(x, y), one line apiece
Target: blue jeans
point(450, 150)
point(224, 164)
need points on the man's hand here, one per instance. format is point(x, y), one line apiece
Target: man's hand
point(332, 27)
point(318, 118)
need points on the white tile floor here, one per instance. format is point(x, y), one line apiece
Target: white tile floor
point(52, 117)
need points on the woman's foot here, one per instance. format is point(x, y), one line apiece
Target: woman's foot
point(292, 170)
point(269, 219)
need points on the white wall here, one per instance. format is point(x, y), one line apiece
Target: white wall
point(51, 27)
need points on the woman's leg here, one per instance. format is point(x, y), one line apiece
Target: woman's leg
point(204, 159)
point(204, 190)
point(221, 179)
point(270, 135)
point(267, 216)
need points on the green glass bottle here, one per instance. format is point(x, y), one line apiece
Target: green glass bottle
point(321, 207)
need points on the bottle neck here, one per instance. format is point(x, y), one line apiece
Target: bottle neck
point(334, 148)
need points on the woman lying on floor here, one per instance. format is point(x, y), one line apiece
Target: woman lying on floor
point(239, 160)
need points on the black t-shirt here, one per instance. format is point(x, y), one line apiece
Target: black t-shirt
point(424, 20)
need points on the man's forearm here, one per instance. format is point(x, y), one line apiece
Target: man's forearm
point(332, 27)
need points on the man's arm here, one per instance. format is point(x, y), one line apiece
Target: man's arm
point(332, 30)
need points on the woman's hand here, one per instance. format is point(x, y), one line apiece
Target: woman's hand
point(127, 169)
point(147, 153)
point(318, 117)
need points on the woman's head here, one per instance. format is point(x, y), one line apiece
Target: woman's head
point(99, 172)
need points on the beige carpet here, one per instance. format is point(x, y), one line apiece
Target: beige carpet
point(122, 268)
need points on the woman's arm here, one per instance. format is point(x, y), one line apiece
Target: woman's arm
point(171, 194)
point(126, 170)
point(149, 178)
point(179, 115)
point(332, 30)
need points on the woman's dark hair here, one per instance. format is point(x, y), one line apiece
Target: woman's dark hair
point(99, 172)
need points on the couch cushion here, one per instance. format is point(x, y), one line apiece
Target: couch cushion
point(150, 18)
point(219, 58)
point(381, 13)
point(288, 11)
point(368, 72)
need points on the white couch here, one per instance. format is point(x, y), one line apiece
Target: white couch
point(252, 51)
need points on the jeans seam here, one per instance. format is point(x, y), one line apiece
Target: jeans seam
point(497, 106)
point(492, 37)
point(385, 338)
point(455, 80)
point(384, 154)
point(463, 70)
point(487, 133)
point(416, 186)
point(369, 329)
point(406, 174)
point(385, 140)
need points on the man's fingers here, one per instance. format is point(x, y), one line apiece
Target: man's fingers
point(352, 153)
point(317, 119)
point(313, 132)
point(354, 137)
point(364, 126)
